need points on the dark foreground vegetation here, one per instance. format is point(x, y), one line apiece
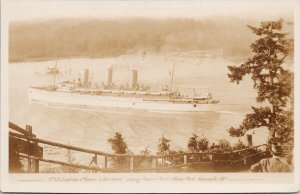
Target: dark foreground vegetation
point(200, 154)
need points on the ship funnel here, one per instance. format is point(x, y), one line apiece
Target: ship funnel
point(134, 79)
point(109, 78)
point(84, 77)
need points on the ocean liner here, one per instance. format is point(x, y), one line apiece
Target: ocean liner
point(82, 93)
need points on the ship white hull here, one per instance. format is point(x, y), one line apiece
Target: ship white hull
point(84, 100)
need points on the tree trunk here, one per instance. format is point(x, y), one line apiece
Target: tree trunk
point(273, 111)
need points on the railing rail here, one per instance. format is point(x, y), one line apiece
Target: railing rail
point(61, 163)
point(43, 141)
point(18, 129)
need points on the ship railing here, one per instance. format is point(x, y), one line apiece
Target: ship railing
point(32, 150)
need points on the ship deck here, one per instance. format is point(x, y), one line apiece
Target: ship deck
point(143, 97)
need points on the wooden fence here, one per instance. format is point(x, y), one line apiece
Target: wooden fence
point(32, 151)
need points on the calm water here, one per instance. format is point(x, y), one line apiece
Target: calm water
point(92, 128)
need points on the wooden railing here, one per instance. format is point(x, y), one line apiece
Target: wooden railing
point(130, 162)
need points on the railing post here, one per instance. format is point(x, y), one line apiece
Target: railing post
point(96, 160)
point(131, 163)
point(36, 162)
point(29, 130)
point(154, 163)
point(245, 162)
point(185, 160)
point(249, 140)
point(105, 162)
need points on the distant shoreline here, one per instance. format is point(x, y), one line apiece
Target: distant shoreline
point(43, 59)
point(40, 41)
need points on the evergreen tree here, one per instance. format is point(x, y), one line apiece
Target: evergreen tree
point(224, 145)
point(118, 145)
point(193, 144)
point(197, 144)
point(144, 161)
point(146, 152)
point(239, 145)
point(164, 145)
point(271, 80)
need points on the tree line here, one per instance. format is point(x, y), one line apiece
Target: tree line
point(196, 144)
point(67, 38)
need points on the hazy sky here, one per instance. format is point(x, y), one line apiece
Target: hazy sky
point(52, 9)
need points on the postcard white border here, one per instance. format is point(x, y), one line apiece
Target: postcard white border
point(41, 182)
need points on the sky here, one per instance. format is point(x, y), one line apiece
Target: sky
point(27, 10)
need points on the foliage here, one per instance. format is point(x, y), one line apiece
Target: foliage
point(15, 164)
point(70, 158)
point(144, 161)
point(175, 160)
point(118, 145)
point(213, 146)
point(164, 145)
point(197, 144)
point(193, 143)
point(146, 152)
point(222, 146)
point(271, 80)
point(239, 145)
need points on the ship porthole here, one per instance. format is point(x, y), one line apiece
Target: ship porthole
point(195, 105)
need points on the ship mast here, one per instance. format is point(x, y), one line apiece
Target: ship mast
point(172, 78)
point(54, 73)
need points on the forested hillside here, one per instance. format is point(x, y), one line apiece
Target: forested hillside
point(66, 38)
